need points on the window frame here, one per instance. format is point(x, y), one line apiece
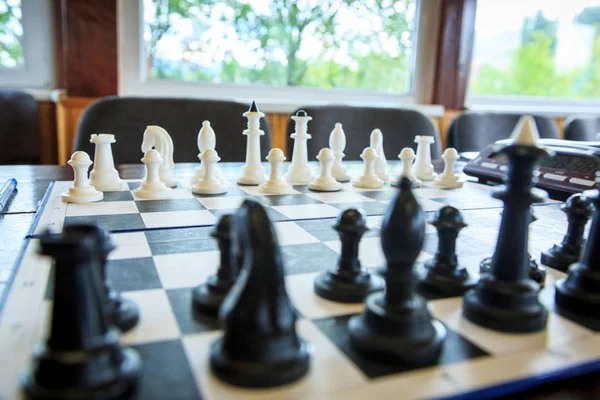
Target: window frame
point(133, 82)
point(38, 71)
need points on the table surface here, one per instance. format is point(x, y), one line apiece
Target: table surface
point(33, 182)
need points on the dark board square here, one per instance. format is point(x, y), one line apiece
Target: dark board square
point(367, 207)
point(306, 258)
point(231, 191)
point(147, 206)
point(118, 196)
point(181, 303)
point(379, 195)
point(134, 185)
point(302, 188)
point(323, 229)
point(173, 241)
point(274, 216)
point(455, 349)
point(166, 373)
point(288, 200)
point(120, 222)
point(133, 274)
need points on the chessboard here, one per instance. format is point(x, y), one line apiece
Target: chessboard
point(165, 248)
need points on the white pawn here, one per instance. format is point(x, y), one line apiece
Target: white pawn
point(337, 143)
point(381, 162)
point(105, 176)
point(152, 187)
point(210, 183)
point(276, 184)
point(81, 191)
point(206, 140)
point(423, 168)
point(325, 182)
point(369, 178)
point(407, 156)
point(448, 179)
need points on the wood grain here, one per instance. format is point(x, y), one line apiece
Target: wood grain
point(68, 111)
point(278, 124)
point(48, 137)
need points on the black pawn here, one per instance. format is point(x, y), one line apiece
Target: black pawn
point(579, 292)
point(396, 325)
point(81, 358)
point(506, 299)
point(260, 346)
point(560, 256)
point(348, 283)
point(207, 297)
point(124, 313)
point(443, 274)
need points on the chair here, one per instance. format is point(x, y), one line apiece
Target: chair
point(399, 128)
point(127, 118)
point(19, 128)
point(472, 131)
point(582, 127)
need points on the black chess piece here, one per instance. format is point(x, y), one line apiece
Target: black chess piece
point(124, 313)
point(348, 283)
point(443, 274)
point(208, 297)
point(396, 325)
point(506, 299)
point(579, 292)
point(562, 255)
point(82, 358)
point(536, 271)
point(260, 346)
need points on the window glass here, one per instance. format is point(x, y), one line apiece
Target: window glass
point(11, 34)
point(350, 44)
point(537, 48)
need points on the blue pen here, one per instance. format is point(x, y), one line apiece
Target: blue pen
point(7, 192)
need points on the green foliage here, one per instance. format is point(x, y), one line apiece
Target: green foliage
point(11, 34)
point(532, 70)
point(280, 38)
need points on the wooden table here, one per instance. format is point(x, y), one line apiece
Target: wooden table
point(33, 181)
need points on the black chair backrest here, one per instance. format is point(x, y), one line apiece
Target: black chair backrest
point(19, 128)
point(399, 128)
point(472, 131)
point(582, 127)
point(128, 117)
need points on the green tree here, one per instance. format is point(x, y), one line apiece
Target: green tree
point(591, 16)
point(539, 24)
point(11, 34)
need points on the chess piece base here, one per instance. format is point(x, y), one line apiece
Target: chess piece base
point(82, 195)
point(209, 188)
point(107, 181)
point(252, 176)
point(258, 375)
point(276, 187)
point(325, 185)
point(442, 184)
point(407, 336)
point(121, 386)
point(369, 183)
point(207, 297)
point(558, 258)
point(333, 287)
point(125, 313)
point(166, 176)
point(446, 281)
point(505, 306)
point(579, 292)
point(153, 191)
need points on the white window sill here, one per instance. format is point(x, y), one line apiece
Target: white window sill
point(523, 105)
point(52, 95)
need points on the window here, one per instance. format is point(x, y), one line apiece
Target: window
point(537, 49)
point(25, 44)
point(281, 52)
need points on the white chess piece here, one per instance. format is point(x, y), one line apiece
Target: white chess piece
point(325, 182)
point(407, 156)
point(158, 138)
point(253, 172)
point(448, 179)
point(81, 191)
point(299, 172)
point(206, 140)
point(423, 168)
point(369, 178)
point(381, 162)
point(337, 143)
point(152, 187)
point(275, 184)
point(210, 183)
point(104, 176)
